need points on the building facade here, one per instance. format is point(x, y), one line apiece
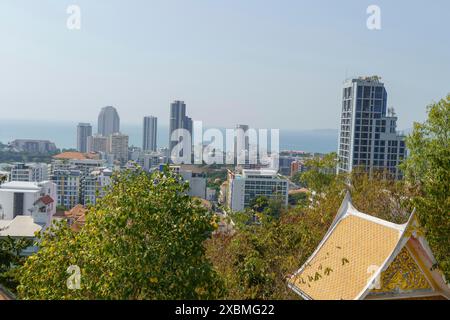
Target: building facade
point(84, 130)
point(108, 121)
point(97, 143)
point(368, 138)
point(150, 129)
point(68, 186)
point(94, 185)
point(33, 146)
point(251, 184)
point(118, 147)
point(31, 172)
point(19, 198)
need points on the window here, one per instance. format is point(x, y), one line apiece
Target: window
point(378, 92)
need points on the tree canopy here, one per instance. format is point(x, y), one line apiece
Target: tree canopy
point(143, 240)
point(427, 169)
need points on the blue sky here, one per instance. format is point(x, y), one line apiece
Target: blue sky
point(272, 64)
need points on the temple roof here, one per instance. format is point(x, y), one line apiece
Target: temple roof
point(351, 257)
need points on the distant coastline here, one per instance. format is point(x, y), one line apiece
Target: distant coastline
point(64, 135)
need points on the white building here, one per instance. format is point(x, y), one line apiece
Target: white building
point(197, 181)
point(97, 143)
point(68, 186)
point(251, 184)
point(31, 172)
point(94, 185)
point(118, 146)
point(35, 199)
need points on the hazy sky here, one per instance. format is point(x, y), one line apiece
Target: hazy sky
point(272, 64)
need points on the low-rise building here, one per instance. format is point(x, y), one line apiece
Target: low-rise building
point(35, 199)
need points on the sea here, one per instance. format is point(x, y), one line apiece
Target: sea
point(63, 134)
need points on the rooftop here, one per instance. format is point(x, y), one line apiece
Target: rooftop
point(20, 226)
point(22, 185)
point(71, 155)
point(260, 172)
point(356, 252)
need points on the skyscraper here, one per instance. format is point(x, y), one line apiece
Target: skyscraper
point(150, 133)
point(84, 130)
point(241, 144)
point(118, 147)
point(178, 120)
point(368, 136)
point(108, 121)
point(97, 143)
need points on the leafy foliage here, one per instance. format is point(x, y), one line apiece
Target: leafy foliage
point(320, 174)
point(257, 258)
point(428, 170)
point(143, 240)
point(11, 259)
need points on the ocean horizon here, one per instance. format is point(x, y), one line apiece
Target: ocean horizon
point(63, 134)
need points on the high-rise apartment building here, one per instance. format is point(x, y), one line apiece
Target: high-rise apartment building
point(97, 143)
point(68, 187)
point(150, 128)
point(94, 185)
point(31, 172)
point(178, 120)
point(108, 121)
point(368, 136)
point(84, 130)
point(118, 147)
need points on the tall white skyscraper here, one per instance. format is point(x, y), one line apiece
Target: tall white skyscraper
point(150, 133)
point(368, 138)
point(108, 121)
point(84, 130)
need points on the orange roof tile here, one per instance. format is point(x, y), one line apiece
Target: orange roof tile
point(71, 156)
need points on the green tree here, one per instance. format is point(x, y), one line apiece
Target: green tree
point(256, 259)
point(321, 172)
point(143, 240)
point(11, 259)
point(427, 168)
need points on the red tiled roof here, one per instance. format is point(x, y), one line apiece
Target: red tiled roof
point(75, 212)
point(46, 200)
point(71, 156)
